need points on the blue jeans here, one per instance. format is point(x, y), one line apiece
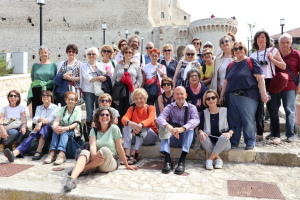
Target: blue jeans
point(289, 105)
point(91, 100)
point(59, 141)
point(241, 115)
point(185, 140)
point(14, 135)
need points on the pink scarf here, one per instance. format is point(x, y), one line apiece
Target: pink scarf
point(196, 90)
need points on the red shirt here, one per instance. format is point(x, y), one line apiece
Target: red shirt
point(293, 61)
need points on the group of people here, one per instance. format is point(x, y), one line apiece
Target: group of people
point(212, 99)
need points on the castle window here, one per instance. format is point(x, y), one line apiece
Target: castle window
point(162, 15)
point(184, 17)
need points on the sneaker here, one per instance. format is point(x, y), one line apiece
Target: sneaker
point(9, 155)
point(50, 158)
point(70, 184)
point(290, 139)
point(209, 164)
point(81, 174)
point(60, 160)
point(219, 163)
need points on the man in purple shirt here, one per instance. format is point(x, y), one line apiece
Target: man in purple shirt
point(179, 118)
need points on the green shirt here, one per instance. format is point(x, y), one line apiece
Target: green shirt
point(75, 116)
point(108, 138)
point(43, 72)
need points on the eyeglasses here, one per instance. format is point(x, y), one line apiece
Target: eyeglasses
point(224, 41)
point(149, 47)
point(196, 43)
point(239, 48)
point(127, 52)
point(165, 84)
point(46, 95)
point(104, 114)
point(154, 56)
point(13, 95)
point(70, 99)
point(167, 50)
point(123, 44)
point(190, 54)
point(194, 76)
point(134, 41)
point(91, 54)
point(210, 98)
point(71, 51)
point(206, 54)
point(207, 46)
point(106, 51)
point(104, 100)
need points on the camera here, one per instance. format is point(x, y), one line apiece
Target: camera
point(263, 62)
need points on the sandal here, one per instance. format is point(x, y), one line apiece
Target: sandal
point(40, 155)
point(133, 160)
point(276, 141)
point(128, 161)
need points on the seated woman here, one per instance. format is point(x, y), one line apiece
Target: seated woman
point(214, 131)
point(13, 110)
point(139, 121)
point(167, 96)
point(105, 144)
point(195, 89)
point(63, 127)
point(44, 117)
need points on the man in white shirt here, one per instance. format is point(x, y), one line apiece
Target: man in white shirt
point(138, 58)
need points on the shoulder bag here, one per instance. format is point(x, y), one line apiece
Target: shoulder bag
point(11, 123)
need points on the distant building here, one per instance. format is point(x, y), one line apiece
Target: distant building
point(295, 33)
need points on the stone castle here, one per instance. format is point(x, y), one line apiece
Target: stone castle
point(79, 22)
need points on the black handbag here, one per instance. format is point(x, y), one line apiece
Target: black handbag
point(119, 91)
point(73, 144)
point(152, 90)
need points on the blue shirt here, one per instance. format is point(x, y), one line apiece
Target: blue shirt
point(171, 68)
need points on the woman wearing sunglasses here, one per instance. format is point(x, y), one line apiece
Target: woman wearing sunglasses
point(197, 43)
point(168, 61)
point(188, 62)
point(244, 81)
point(13, 110)
point(91, 75)
point(136, 79)
point(107, 63)
point(268, 57)
point(44, 117)
point(105, 148)
point(222, 61)
point(167, 96)
point(214, 131)
point(207, 68)
point(70, 70)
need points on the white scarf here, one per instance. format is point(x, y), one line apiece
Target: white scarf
point(188, 67)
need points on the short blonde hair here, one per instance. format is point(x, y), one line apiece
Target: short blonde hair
point(105, 95)
point(206, 93)
point(167, 46)
point(140, 91)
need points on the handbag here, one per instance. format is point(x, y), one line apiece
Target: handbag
point(73, 144)
point(11, 123)
point(119, 91)
point(152, 90)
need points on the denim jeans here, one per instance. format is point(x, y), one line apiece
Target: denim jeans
point(59, 141)
point(184, 142)
point(289, 105)
point(91, 100)
point(241, 115)
point(14, 135)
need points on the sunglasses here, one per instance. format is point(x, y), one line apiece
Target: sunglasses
point(13, 95)
point(167, 50)
point(91, 54)
point(149, 47)
point(166, 84)
point(46, 95)
point(190, 54)
point(196, 43)
point(210, 98)
point(206, 54)
point(224, 41)
point(127, 52)
point(71, 52)
point(104, 114)
point(239, 48)
point(106, 51)
point(104, 100)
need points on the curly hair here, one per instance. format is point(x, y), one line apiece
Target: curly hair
point(96, 118)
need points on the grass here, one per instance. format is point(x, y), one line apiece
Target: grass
point(3, 68)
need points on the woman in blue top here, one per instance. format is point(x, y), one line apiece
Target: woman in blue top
point(243, 82)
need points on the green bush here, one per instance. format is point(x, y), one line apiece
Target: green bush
point(3, 68)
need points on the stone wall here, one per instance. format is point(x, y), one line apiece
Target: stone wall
point(20, 83)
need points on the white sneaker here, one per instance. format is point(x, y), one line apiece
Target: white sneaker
point(219, 163)
point(209, 164)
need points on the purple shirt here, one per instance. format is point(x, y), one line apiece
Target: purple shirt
point(172, 111)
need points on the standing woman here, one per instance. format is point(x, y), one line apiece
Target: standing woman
point(188, 62)
point(107, 63)
point(243, 84)
point(90, 74)
point(168, 61)
point(267, 56)
point(122, 44)
point(136, 78)
point(222, 61)
point(154, 72)
point(207, 68)
point(197, 44)
point(70, 69)
point(42, 75)
point(13, 110)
